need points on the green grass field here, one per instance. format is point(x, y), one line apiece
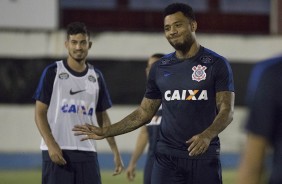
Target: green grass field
point(34, 177)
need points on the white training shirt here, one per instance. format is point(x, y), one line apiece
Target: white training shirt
point(73, 102)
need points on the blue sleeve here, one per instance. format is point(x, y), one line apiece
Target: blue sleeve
point(104, 101)
point(44, 89)
point(152, 90)
point(263, 101)
point(223, 76)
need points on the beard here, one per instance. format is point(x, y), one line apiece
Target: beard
point(183, 46)
point(78, 57)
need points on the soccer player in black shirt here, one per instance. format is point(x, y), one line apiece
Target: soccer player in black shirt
point(196, 89)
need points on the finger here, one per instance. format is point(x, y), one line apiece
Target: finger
point(192, 145)
point(80, 127)
point(117, 171)
point(128, 175)
point(197, 150)
point(78, 133)
point(89, 127)
point(59, 160)
point(194, 142)
point(87, 137)
point(63, 161)
point(131, 176)
point(190, 140)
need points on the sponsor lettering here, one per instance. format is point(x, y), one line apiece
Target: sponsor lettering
point(171, 95)
point(77, 106)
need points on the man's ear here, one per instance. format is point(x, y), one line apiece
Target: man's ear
point(194, 26)
point(90, 45)
point(66, 44)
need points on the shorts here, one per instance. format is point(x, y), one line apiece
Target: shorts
point(82, 168)
point(148, 169)
point(174, 170)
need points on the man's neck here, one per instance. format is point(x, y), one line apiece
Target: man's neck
point(78, 66)
point(194, 49)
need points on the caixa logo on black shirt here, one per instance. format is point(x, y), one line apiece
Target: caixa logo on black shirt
point(170, 95)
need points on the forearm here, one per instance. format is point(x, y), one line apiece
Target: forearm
point(142, 115)
point(45, 132)
point(252, 164)
point(131, 122)
point(225, 106)
point(112, 143)
point(43, 125)
point(104, 121)
point(222, 120)
point(140, 146)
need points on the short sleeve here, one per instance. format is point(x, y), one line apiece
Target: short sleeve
point(104, 101)
point(152, 90)
point(223, 76)
point(44, 89)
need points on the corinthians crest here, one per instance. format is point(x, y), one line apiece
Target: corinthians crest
point(199, 73)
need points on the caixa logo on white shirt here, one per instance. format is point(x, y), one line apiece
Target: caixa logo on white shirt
point(170, 95)
point(77, 106)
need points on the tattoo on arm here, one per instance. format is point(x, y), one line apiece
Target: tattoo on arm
point(225, 105)
point(142, 115)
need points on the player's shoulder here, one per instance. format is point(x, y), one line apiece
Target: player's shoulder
point(209, 56)
point(271, 66)
point(51, 68)
point(166, 59)
point(95, 69)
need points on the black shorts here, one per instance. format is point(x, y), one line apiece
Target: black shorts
point(148, 169)
point(82, 168)
point(176, 170)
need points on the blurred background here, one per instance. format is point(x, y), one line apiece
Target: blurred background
point(124, 34)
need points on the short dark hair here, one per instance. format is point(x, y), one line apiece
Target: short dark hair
point(180, 7)
point(77, 28)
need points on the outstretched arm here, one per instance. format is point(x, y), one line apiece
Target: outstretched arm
point(142, 115)
point(103, 121)
point(225, 105)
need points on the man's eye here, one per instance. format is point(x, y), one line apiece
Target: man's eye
point(166, 28)
point(178, 25)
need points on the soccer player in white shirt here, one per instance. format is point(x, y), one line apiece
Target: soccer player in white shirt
point(72, 91)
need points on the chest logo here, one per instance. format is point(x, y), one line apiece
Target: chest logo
point(75, 92)
point(199, 73)
point(63, 76)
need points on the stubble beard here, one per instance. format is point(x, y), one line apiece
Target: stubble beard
point(79, 58)
point(184, 46)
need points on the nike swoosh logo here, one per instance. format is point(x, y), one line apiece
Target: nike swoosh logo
point(166, 74)
point(75, 92)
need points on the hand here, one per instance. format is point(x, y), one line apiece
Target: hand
point(130, 172)
point(56, 154)
point(198, 144)
point(119, 166)
point(91, 132)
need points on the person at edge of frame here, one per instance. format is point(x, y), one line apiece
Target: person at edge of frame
point(263, 125)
